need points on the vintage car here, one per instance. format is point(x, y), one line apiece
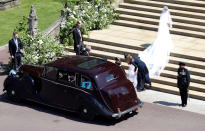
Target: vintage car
point(87, 85)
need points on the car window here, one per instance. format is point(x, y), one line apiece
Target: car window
point(86, 83)
point(62, 76)
point(111, 77)
point(50, 73)
point(68, 78)
point(71, 78)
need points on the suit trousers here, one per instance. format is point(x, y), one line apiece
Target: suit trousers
point(79, 50)
point(141, 83)
point(16, 61)
point(184, 95)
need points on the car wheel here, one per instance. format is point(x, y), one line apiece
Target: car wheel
point(11, 93)
point(86, 113)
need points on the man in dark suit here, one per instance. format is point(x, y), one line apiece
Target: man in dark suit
point(15, 50)
point(183, 81)
point(78, 39)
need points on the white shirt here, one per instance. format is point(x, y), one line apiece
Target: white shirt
point(16, 42)
point(79, 31)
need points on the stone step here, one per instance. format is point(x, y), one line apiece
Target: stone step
point(172, 6)
point(174, 90)
point(114, 41)
point(141, 6)
point(193, 71)
point(155, 22)
point(165, 76)
point(194, 78)
point(154, 15)
point(161, 79)
point(196, 3)
point(173, 85)
point(120, 48)
point(172, 82)
point(167, 73)
point(166, 88)
point(155, 28)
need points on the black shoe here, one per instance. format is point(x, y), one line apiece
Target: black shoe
point(139, 90)
point(183, 105)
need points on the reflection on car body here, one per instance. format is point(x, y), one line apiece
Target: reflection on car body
point(88, 85)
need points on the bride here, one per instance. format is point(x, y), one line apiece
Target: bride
point(132, 76)
point(156, 56)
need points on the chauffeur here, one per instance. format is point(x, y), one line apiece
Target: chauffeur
point(183, 81)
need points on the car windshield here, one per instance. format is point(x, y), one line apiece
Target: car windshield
point(91, 64)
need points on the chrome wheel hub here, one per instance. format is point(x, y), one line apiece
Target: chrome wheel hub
point(13, 92)
point(85, 111)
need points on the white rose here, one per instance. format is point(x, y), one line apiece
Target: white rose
point(40, 42)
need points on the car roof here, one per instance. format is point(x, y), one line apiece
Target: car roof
point(83, 64)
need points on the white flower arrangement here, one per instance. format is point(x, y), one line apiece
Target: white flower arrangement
point(92, 15)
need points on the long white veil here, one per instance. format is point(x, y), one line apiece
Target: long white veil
point(156, 56)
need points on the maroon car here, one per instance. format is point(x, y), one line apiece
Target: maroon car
point(88, 85)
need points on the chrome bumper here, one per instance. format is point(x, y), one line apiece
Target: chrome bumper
point(119, 114)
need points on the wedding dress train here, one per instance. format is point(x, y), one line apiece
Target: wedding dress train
point(156, 56)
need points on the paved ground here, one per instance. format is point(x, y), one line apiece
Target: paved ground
point(173, 101)
point(29, 116)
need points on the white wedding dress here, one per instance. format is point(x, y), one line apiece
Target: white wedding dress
point(156, 56)
point(132, 76)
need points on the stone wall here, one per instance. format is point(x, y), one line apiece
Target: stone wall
point(5, 4)
point(54, 29)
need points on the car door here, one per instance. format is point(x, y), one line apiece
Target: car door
point(66, 84)
point(84, 86)
point(56, 87)
point(49, 92)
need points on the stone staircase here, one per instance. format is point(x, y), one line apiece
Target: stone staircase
point(189, 20)
point(142, 16)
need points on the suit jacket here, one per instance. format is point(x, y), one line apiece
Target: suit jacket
point(13, 48)
point(142, 68)
point(183, 78)
point(77, 38)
